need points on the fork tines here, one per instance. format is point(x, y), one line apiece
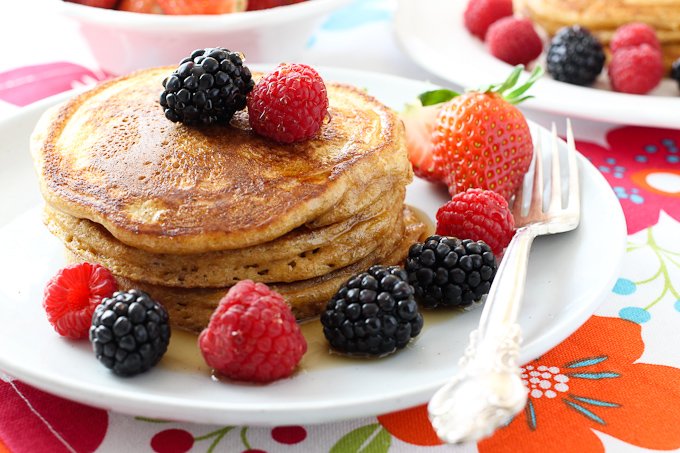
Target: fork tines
point(537, 211)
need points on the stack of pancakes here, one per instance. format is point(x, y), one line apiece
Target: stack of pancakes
point(603, 17)
point(186, 212)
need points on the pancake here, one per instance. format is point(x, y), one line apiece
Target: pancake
point(110, 156)
point(671, 52)
point(299, 255)
point(190, 308)
point(605, 34)
point(604, 14)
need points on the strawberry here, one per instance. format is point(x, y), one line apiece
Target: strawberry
point(480, 139)
point(108, 4)
point(254, 5)
point(182, 7)
point(419, 122)
point(140, 6)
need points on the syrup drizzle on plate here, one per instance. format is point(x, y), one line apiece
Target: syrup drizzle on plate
point(184, 355)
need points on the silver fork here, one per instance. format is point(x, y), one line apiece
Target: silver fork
point(488, 390)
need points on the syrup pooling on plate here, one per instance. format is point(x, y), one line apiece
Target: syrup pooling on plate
point(424, 219)
point(184, 356)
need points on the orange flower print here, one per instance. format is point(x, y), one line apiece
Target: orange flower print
point(590, 382)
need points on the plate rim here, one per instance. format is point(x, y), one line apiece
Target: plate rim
point(157, 406)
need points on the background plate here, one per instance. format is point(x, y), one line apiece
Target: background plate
point(569, 274)
point(433, 35)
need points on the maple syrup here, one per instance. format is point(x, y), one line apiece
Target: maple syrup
point(183, 354)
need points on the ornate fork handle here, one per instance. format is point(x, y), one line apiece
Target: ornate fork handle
point(488, 390)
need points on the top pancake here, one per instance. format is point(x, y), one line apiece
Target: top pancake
point(109, 155)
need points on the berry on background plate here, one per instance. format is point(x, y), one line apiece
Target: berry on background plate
point(514, 40)
point(373, 313)
point(71, 296)
point(289, 104)
point(208, 87)
point(636, 70)
point(129, 332)
point(633, 35)
point(480, 215)
point(252, 335)
point(480, 14)
point(448, 272)
point(575, 56)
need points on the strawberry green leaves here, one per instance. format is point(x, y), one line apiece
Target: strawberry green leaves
point(508, 89)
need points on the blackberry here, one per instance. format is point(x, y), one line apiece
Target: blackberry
point(373, 314)
point(129, 332)
point(208, 87)
point(575, 56)
point(449, 272)
point(675, 71)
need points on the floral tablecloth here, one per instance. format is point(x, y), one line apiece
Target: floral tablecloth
point(614, 385)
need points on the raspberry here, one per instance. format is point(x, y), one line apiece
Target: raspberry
point(72, 295)
point(633, 35)
point(480, 14)
point(514, 41)
point(289, 104)
point(636, 70)
point(252, 335)
point(480, 215)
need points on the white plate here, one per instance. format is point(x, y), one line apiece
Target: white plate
point(569, 274)
point(433, 34)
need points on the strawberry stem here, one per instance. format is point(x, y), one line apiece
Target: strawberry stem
point(508, 89)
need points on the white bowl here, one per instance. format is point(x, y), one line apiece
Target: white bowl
point(122, 41)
